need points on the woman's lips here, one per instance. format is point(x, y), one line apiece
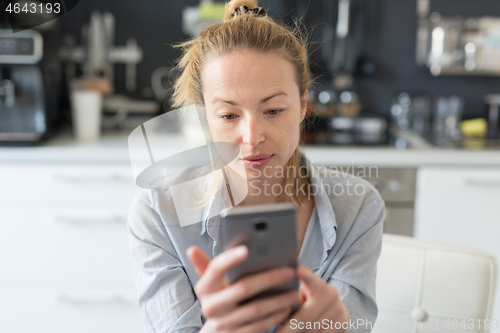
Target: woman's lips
point(257, 163)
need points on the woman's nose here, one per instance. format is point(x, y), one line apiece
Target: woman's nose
point(253, 132)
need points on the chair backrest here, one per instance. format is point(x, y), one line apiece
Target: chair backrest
point(427, 286)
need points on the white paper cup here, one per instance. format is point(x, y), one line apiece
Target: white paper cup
point(86, 112)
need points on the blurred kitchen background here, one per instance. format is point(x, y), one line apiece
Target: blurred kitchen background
point(409, 88)
point(422, 65)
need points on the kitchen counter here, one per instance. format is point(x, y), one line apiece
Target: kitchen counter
point(112, 148)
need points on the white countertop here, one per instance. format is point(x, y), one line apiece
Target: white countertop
point(112, 148)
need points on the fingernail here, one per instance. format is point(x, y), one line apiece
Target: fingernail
point(241, 250)
point(294, 297)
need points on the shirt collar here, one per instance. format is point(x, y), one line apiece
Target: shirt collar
point(326, 215)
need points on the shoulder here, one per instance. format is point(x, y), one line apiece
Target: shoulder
point(161, 199)
point(339, 182)
point(344, 184)
point(152, 208)
point(150, 199)
point(156, 211)
point(353, 199)
point(143, 208)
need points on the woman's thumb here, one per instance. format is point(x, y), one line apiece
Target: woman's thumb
point(198, 258)
point(302, 293)
point(307, 279)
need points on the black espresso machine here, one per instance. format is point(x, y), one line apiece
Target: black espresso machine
point(22, 99)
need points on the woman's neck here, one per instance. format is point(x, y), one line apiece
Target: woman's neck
point(263, 191)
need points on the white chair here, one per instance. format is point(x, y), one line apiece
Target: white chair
point(430, 287)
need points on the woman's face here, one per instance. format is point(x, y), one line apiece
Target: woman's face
point(252, 100)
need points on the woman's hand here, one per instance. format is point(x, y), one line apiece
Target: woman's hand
point(220, 301)
point(320, 303)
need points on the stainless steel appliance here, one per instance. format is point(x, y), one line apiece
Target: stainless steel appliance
point(22, 101)
point(397, 187)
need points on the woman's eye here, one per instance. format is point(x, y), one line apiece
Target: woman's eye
point(274, 112)
point(228, 116)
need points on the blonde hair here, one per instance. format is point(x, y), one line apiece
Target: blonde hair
point(242, 32)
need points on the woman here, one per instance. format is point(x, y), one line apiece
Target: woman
point(251, 74)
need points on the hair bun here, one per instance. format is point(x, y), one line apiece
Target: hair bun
point(232, 6)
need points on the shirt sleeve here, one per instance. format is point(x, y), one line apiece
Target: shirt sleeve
point(355, 275)
point(165, 295)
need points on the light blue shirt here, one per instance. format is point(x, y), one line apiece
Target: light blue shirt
point(342, 245)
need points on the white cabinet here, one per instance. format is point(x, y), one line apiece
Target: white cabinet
point(69, 309)
point(66, 183)
point(460, 206)
point(65, 264)
point(63, 244)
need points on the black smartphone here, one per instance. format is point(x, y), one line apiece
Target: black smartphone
point(269, 232)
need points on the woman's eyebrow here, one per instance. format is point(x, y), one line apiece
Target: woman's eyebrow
point(217, 99)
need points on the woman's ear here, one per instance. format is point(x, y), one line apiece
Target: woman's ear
point(303, 106)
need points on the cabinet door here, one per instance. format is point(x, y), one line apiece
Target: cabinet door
point(66, 183)
point(462, 207)
point(459, 206)
point(69, 310)
point(71, 244)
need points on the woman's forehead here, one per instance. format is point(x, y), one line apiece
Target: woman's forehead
point(248, 73)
